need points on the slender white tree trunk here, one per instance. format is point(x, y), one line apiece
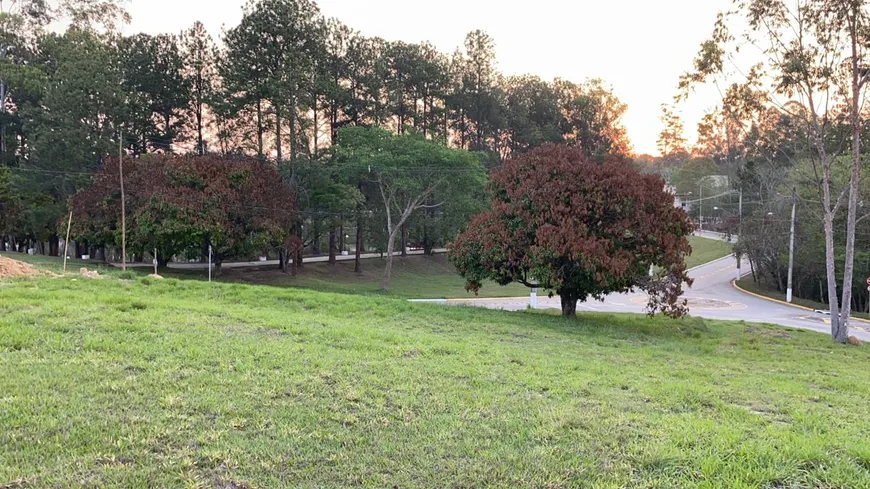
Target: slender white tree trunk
point(842, 333)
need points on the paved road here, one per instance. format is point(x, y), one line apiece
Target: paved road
point(711, 296)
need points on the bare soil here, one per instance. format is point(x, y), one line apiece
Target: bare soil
point(10, 268)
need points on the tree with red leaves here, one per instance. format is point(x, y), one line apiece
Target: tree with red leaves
point(178, 204)
point(579, 228)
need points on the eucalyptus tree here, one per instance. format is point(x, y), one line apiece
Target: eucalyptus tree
point(811, 67)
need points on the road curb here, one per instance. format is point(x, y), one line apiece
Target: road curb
point(784, 303)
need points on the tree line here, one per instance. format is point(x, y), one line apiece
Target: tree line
point(277, 88)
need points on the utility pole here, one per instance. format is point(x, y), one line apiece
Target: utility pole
point(700, 206)
point(66, 241)
point(739, 229)
point(791, 245)
point(2, 104)
point(123, 205)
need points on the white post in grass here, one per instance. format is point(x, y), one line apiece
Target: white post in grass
point(209, 263)
point(533, 295)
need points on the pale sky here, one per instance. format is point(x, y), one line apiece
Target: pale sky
point(639, 47)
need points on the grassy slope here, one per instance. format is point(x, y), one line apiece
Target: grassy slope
point(186, 384)
point(413, 277)
point(706, 250)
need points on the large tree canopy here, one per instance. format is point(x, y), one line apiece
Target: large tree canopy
point(409, 172)
point(579, 228)
point(178, 204)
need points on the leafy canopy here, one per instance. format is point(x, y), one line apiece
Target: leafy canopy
point(577, 227)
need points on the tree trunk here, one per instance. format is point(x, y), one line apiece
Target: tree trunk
point(838, 333)
point(849, 265)
point(332, 246)
point(218, 269)
point(341, 242)
point(282, 260)
point(427, 244)
point(291, 117)
point(315, 242)
point(278, 134)
point(316, 128)
point(357, 262)
point(200, 143)
point(389, 268)
point(405, 239)
point(260, 129)
point(2, 119)
point(299, 249)
point(53, 245)
point(569, 299)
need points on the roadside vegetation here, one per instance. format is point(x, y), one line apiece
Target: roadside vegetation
point(747, 283)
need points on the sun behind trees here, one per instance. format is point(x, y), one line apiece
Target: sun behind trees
point(579, 228)
point(181, 205)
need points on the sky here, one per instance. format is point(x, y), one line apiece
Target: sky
point(639, 47)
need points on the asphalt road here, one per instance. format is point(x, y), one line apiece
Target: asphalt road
point(711, 296)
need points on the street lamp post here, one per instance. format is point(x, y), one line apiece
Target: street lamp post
point(791, 246)
point(739, 230)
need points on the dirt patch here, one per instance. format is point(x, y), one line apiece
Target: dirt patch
point(771, 333)
point(10, 268)
point(84, 272)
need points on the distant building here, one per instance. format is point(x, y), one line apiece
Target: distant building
point(681, 201)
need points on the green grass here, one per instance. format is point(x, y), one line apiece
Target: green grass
point(143, 383)
point(705, 250)
point(415, 277)
point(747, 283)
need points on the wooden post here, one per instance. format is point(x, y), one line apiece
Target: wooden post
point(155, 261)
point(66, 241)
point(123, 205)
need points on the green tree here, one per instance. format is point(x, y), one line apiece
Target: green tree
point(74, 125)
point(671, 140)
point(158, 94)
point(406, 170)
point(593, 118)
point(271, 56)
point(810, 54)
point(480, 107)
point(532, 114)
point(200, 71)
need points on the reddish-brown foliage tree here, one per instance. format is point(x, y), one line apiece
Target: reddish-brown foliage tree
point(179, 204)
point(578, 228)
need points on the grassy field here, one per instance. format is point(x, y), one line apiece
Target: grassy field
point(143, 383)
point(747, 283)
point(706, 250)
point(415, 277)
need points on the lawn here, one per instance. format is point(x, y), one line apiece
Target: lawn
point(705, 250)
point(415, 277)
point(173, 383)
